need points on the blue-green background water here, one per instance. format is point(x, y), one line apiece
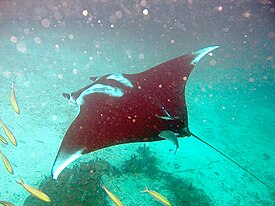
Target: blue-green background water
point(50, 47)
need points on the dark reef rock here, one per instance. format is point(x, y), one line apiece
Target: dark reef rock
point(80, 186)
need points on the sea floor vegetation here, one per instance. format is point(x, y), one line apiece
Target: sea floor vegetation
point(81, 184)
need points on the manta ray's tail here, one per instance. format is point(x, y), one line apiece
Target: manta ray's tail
point(188, 133)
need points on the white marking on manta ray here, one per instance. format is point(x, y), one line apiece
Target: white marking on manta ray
point(120, 78)
point(66, 163)
point(72, 100)
point(201, 53)
point(99, 88)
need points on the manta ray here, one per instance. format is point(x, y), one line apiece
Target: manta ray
point(125, 108)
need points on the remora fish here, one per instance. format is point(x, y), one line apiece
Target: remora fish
point(169, 135)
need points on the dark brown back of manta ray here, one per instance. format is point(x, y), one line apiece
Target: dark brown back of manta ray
point(139, 115)
point(155, 101)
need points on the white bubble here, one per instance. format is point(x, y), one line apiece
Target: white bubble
point(27, 31)
point(218, 8)
point(54, 117)
point(85, 12)
point(56, 46)
point(58, 15)
point(226, 29)
point(45, 23)
point(251, 79)
point(141, 56)
point(145, 12)
point(118, 14)
point(26, 83)
point(71, 36)
point(247, 14)
point(90, 58)
point(21, 47)
point(13, 39)
point(60, 76)
point(7, 74)
point(172, 41)
point(37, 40)
point(212, 62)
point(75, 71)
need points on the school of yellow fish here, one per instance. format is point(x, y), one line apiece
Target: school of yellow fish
point(157, 196)
point(38, 193)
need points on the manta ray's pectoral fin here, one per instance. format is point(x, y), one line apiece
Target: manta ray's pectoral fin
point(62, 160)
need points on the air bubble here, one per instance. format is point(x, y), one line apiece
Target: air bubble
point(60, 76)
point(85, 12)
point(37, 40)
point(13, 39)
point(141, 56)
point(21, 47)
point(118, 14)
point(54, 117)
point(145, 12)
point(251, 79)
point(71, 36)
point(45, 23)
point(7, 74)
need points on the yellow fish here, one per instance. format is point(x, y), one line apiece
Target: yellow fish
point(8, 133)
point(5, 203)
point(35, 192)
point(6, 162)
point(112, 196)
point(157, 196)
point(2, 139)
point(14, 103)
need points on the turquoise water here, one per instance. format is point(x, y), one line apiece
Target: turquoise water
point(51, 48)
